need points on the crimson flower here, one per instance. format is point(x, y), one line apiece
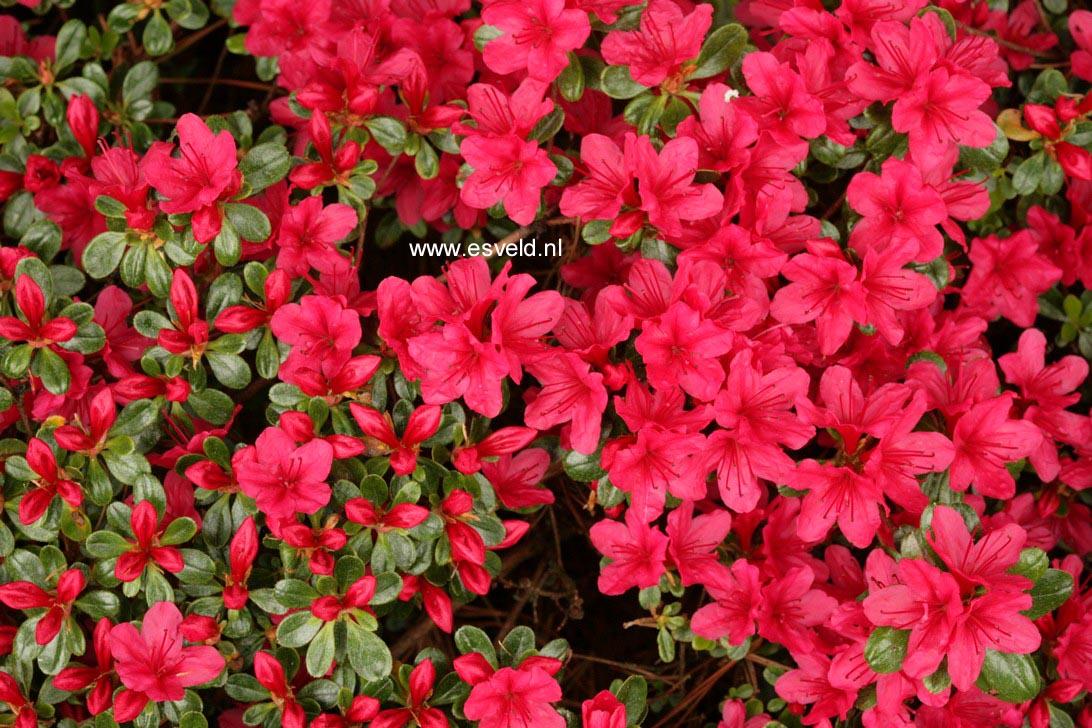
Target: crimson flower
point(90, 440)
point(436, 601)
point(401, 516)
point(36, 330)
point(467, 545)
point(146, 548)
point(58, 602)
point(190, 333)
point(241, 319)
point(417, 709)
point(12, 694)
point(356, 597)
point(243, 551)
point(52, 481)
point(335, 167)
point(100, 677)
point(422, 424)
point(270, 674)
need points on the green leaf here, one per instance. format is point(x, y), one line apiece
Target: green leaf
point(1014, 678)
point(721, 50)
point(103, 254)
point(158, 39)
point(426, 161)
point(1051, 591)
point(37, 270)
point(472, 639)
point(265, 164)
point(106, 545)
point(53, 371)
point(211, 405)
point(298, 629)
point(44, 238)
point(582, 468)
point(389, 132)
point(320, 654)
point(135, 418)
point(70, 39)
point(571, 80)
point(369, 656)
point(181, 530)
point(250, 222)
point(140, 82)
point(229, 369)
point(617, 83)
point(245, 688)
point(295, 594)
point(227, 246)
point(633, 693)
point(16, 361)
point(99, 604)
point(986, 159)
point(1033, 564)
point(1026, 178)
point(268, 357)
point(157, 272)
point(886, 649)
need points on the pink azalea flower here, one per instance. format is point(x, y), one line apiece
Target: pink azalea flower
point(943, 108)
point(781, 102)
point(1007, 277)
point(737, 595)
point(603, 711)
point(571, 392)
point(310, 233)
point(538, 35)
point(153, 664)
point(985, 440)
point(824, 289)
point(203, 176)
point(681, 347)
point(637, 552)
point(285, 479)
point(667, 39)
point(665, 181)
point(515, 699)
point(318, 327)
point(898, 209)
point(517, 478)
point(506, 169)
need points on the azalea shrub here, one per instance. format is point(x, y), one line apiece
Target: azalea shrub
point(795, 432)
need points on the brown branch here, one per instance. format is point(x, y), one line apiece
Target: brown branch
point(238, 83)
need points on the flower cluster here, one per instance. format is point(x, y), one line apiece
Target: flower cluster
point(815, 362)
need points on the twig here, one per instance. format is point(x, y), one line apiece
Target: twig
point(190, 40)
point(238, 83)
point(627, 667)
